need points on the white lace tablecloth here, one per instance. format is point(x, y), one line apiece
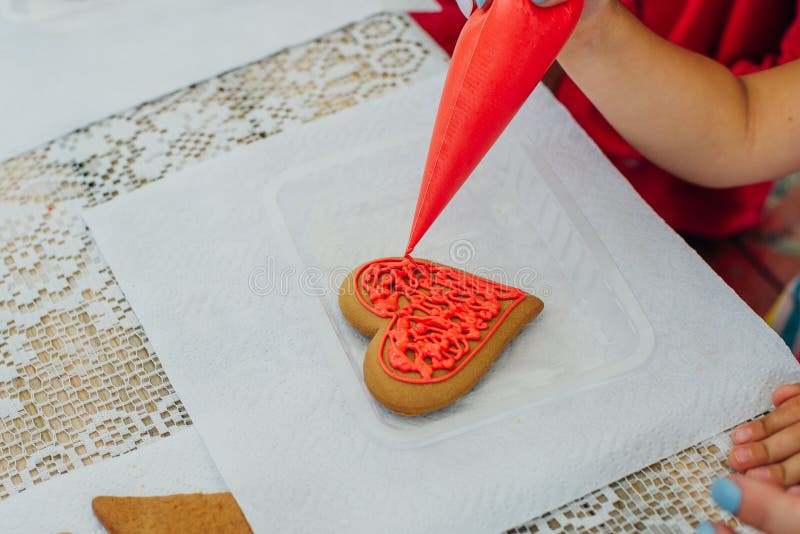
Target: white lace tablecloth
point(79, 381)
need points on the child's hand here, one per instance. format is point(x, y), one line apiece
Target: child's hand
point(769, 448)
point(768, 452)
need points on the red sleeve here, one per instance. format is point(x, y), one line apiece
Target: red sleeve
point(776, 31)
point(444, 26)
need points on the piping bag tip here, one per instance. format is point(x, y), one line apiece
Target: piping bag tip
point(500, 56)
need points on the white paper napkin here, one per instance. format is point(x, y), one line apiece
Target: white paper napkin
point(252, 369)
point(63, 73)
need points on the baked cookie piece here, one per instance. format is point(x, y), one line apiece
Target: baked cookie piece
point(171, 514)
point(435, 330)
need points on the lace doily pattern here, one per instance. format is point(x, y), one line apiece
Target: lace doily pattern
point(665, 498)
point(296, 85)
point(79, 381)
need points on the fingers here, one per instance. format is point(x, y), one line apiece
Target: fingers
point(787, 413)
point(784, 393)
point(768, 449)
point(758, 503)
point(773, 448)
point(773, 439)
point(786, 473)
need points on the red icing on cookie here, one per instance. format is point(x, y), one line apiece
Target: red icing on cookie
point(436, 311)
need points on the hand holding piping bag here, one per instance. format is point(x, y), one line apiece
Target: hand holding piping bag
point(501, 55)
point(694, 118)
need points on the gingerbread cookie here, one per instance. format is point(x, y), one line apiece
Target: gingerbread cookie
point(435, 330)
point(171, 514)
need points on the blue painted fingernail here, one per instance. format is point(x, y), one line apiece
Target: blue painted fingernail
point(539, 1)
point(480, 3)
point(705, 528)
point(726, 494)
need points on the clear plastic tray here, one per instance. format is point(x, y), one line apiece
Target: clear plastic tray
point(514, 222)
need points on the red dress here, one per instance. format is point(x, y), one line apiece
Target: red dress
point(745, 35)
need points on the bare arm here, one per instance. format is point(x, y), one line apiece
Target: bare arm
point(683, 111)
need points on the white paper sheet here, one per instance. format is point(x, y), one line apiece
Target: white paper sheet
point(176, 464)
point(63, 73)
point(252, 369)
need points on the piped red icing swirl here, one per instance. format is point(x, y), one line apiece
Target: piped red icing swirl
point(441, 317)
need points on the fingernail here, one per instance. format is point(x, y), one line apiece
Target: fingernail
point(539, 1)
point(741, 434)
point(726, 494)
point(480, 3)
point(761, 473)
point(705, 528)
point(743, 454)
point(795, 490)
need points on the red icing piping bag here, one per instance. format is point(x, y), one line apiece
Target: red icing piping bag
point(501, 55)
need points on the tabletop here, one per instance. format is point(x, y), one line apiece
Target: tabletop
point(79, 381)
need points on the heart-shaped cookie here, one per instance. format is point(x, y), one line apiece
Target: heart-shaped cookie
point(435, 330)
